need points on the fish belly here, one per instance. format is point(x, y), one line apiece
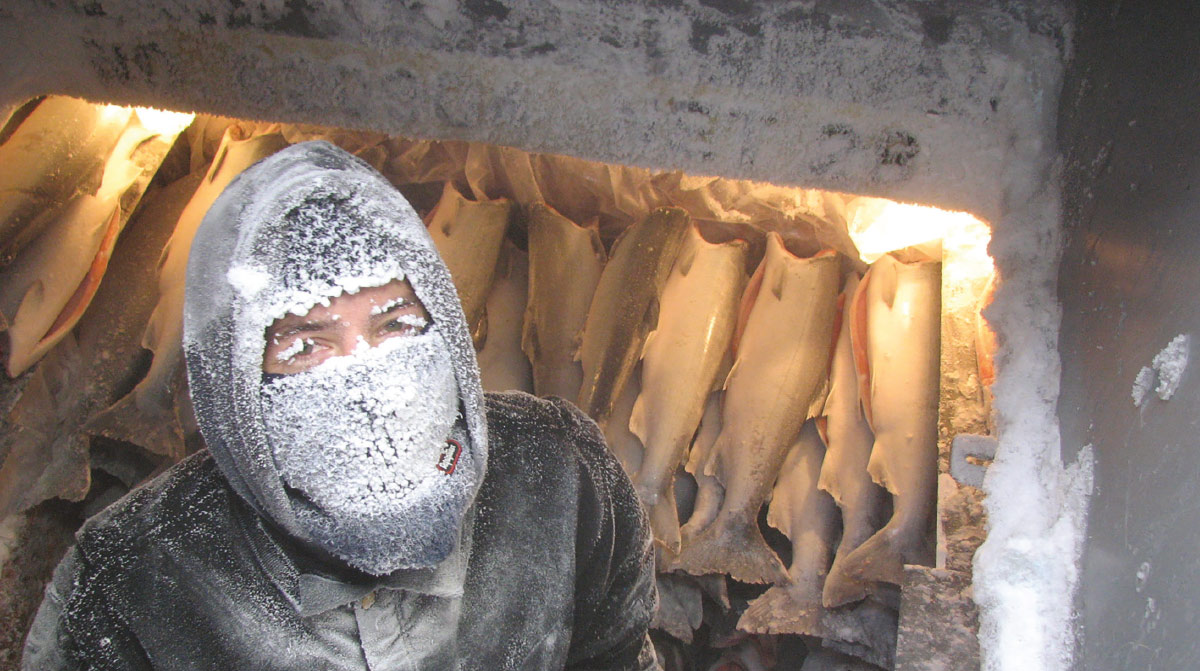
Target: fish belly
point(781, 367)
point(681, 360)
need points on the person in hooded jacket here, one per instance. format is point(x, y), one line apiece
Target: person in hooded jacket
point(361, 504)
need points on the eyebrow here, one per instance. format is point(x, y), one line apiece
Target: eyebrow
point(394, 305)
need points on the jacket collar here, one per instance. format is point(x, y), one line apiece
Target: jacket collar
point(313, 592)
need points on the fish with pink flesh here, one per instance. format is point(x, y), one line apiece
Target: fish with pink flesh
point(680, 363)
point(51, 283)
point(778, 378)
point(896, 327)
point(565, 262)
point(46, 451)
point(55, 155)
point(146, 415)
point(623, 310)
point(502, 364)
point(848, 441)
point(468, 235)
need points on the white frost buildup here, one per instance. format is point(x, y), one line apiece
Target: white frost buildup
point(1167, 369)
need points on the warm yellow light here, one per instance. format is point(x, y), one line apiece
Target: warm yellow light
point(879, 226)
point(162, 121)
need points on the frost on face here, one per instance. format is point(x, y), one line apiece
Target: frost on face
point(337, 455)
point(357, 433)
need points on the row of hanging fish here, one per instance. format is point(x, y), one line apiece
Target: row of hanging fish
point(798, 384)
point(801, 385)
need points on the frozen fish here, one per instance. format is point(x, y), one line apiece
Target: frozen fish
point(896, 331)
point(565, 262)
point(778, 379)
point(46, 289)
point(46, 450)
point(622, 310)
point(502, 364)
point(680, 362)
point(146, 416)
point(809, 518)
point(844, 475)
point(680, 607)
point(468, 235)
point(56, 154)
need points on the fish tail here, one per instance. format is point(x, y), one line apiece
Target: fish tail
point(840, 589)
point(784, 610)
point(883, 556)
point(156, 429)
point(733, 546)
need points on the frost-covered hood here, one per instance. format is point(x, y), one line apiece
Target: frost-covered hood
point(295, 229)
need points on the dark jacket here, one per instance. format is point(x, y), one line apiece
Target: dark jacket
point(183, 574)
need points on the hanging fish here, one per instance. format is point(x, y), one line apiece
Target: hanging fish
point(896, 335)
point(565, 262)
point(844, 475)
point(778, 377)
point(146, 416)
point(680, 363)
point(46, 451)
point(468, 235)
point(502, 364)
point(46, 290)
point(622, 310)
point(56, 154)
point(809, 518)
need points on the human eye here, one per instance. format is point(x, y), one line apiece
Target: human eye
point(405, 324)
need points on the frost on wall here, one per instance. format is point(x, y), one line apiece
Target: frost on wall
point(1164, 373)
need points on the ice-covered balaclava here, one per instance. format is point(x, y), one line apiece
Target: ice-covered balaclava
point(360, 455)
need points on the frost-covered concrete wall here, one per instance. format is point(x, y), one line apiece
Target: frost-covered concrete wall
point(918, 100)
point(1129, 287)
point(946, 103)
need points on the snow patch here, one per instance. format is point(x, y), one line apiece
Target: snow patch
point(1166, 369)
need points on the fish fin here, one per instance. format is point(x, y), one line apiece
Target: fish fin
point(775, 281)
point(637, 418)
point(817, 406)
point(732, 545)
point(480, 333)
point(840, 589)
point(529, 339)
point(858, 343)
point(664, 520)
point(888, 278)
point(597, 244)
point(784, 609)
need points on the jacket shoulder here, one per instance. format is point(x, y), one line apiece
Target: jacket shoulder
point(189, 499)
point(521, 425)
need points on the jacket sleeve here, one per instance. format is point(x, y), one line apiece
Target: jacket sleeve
point(76, 628)
point(616, 594)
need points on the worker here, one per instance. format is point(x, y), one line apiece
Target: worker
point(360, 504)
